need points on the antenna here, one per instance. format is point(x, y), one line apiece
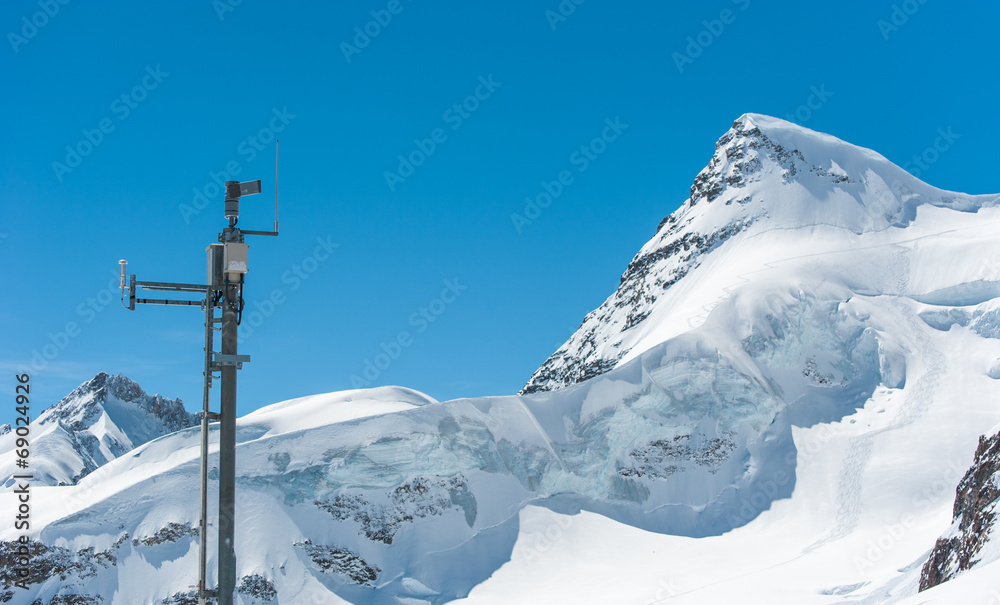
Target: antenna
point(277, 152)
point(245, 190)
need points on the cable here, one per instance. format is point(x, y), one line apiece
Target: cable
point(239, 309)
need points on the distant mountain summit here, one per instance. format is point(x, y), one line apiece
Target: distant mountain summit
point(103, 418)
point(766, 174)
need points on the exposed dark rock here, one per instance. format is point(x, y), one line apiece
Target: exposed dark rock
point(340, 561)
point(418, 498)
point(740, 163)
point(76, 599)
point(974, 516)
point(258, 587)
point(51, 561)
point(181, 598)
point(171, 533)
point(812, 372)
point(662, 458)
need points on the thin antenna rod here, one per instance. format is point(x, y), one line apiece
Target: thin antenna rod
point(277, 152)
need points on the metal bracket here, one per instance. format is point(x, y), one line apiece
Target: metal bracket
point(212, 416)
point(219, 360)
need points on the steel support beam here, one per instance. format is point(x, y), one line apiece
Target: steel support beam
point(227, 452)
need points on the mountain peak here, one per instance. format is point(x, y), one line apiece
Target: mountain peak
point(104, 384)
point(99, 421)
point(766, 174)
point(741, 155)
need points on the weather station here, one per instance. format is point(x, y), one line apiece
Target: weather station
point(221, 298)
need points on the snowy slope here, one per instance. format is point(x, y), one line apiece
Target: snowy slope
point(99, 421)
point(788, 426)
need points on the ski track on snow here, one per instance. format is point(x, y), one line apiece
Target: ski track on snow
point(917, 401)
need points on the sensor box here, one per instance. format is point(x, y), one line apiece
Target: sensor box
point(234, 257)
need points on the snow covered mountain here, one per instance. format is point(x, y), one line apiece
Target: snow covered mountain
point(765, 172)
point(783, 396)
point(99, 421)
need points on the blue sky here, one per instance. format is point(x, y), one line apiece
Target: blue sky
point(492, 101)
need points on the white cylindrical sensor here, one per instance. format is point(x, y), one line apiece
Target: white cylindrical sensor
point(121, 281)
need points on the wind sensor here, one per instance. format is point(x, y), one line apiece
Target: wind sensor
point(228, 264)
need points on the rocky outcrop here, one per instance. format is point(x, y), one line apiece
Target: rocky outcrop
point(422, 497)
point(974, 518)
point(341, 561)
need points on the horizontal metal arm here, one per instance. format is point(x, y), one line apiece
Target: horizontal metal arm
point(219, 360)
point(172, 287)
point(161, 301)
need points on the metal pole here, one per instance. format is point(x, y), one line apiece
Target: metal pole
point(227, 452)
point(203, 522)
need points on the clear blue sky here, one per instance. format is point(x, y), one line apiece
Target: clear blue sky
point(182, 93)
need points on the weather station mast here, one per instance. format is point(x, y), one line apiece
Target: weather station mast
point(222, 303)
